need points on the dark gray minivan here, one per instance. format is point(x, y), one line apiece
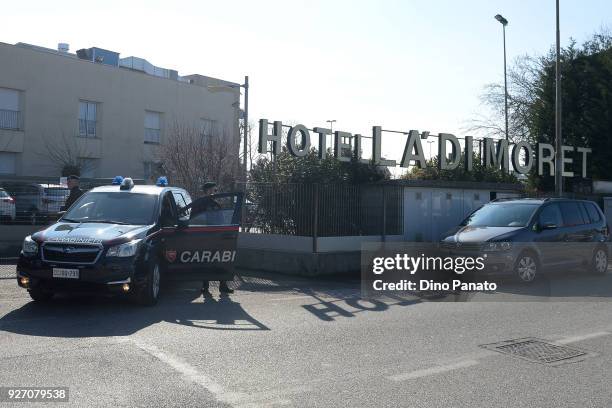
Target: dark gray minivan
point(522, 237)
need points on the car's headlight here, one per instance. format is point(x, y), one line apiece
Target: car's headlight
point(29, 247)
point(124, 250)
point(497, 246)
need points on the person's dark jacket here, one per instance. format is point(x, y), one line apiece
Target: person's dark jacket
point(204, 204)
point(75, 193)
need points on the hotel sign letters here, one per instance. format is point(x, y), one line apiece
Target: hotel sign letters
point(496, 153)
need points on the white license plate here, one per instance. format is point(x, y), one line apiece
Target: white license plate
point(65, 273)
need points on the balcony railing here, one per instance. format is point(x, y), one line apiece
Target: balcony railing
point(10, 119)
point(151, 135)
point(87, 128)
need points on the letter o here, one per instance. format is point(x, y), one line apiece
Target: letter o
point(294, 149)
point(516, 157)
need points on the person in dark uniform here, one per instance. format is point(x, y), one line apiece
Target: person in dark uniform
point(209, 188)
point(75, 192)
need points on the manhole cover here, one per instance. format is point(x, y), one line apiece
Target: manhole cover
point(536, 350)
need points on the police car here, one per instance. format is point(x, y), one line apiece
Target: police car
point(126, 238)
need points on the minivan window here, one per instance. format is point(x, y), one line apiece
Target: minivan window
point(501, 215)
point(550, 214)
point(592, 212)
point(3, 193)
point(571, 214)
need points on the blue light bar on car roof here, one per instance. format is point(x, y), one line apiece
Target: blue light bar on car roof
point(162, 181)
point(117, 181)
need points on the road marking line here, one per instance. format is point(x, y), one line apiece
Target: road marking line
point(182, 367)
point(237, 399)
point(433, 370)
point(574, 339)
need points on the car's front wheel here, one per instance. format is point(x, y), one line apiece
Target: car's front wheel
point(148, 293)
point(40, 295)
point(526, 267)
point(599, 262)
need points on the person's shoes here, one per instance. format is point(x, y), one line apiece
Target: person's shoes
point(225, 289)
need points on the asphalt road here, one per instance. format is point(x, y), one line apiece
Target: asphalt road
point(279, 342)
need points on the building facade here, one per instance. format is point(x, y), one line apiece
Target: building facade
point(111, 114)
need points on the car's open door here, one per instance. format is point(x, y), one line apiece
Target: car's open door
point(203, 246)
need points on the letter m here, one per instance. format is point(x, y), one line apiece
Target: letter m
point(497, 158)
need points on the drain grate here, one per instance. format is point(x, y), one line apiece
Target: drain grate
point(536, 350)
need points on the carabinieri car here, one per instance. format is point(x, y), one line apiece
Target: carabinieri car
point(126, 238)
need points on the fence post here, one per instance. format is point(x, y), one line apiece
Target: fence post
point(384, 215)
point(315, 224)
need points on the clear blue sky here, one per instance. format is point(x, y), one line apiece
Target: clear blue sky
point(400, 64)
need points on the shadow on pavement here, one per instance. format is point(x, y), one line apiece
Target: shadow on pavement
point(78, 316)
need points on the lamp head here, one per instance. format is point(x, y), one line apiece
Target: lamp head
point(501, 19)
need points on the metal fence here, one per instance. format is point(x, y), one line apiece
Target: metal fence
point(322, 210)
point(35, 200)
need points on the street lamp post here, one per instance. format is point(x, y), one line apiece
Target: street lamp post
point(504, 23)
point(246, 126)
point(558, 152)
point(331, 126)
point(245, 118)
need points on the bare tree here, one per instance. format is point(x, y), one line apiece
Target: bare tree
point(66, 155)
point(189, 157)
point(524, 86)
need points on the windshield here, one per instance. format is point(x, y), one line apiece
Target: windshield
point(501, 215)
point(3, 193)
point(111, 207)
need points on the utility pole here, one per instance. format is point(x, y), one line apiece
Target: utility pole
point(558, 152)
point(246, 127)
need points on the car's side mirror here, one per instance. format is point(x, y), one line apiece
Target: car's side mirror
point(183, 223)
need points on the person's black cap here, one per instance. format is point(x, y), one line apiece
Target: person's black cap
point(72, 177)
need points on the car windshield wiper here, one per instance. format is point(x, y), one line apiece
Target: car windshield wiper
point(106, 222)
point(70, 220)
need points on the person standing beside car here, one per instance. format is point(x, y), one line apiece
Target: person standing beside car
point(209, 204)
point(75, 191)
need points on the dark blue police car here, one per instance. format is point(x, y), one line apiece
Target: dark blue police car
point(126, 238)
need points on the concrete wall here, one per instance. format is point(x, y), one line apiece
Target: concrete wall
point(51, 86)
point(294, 255)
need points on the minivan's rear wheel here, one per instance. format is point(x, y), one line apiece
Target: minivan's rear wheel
point(40, 295)
point(526, 267)
point(599, 263)
point(148, 293)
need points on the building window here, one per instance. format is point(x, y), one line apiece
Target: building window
point(88, 114)
point(152, 126)
point(207, 127)
point(10, 115)
point(8, 163)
